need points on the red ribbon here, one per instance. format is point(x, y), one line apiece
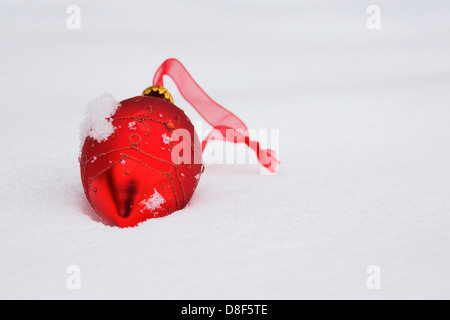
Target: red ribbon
point(232, 128)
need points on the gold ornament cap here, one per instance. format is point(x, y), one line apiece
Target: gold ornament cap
point(158, 91)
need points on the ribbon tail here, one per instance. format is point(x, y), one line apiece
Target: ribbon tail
point(266, 157)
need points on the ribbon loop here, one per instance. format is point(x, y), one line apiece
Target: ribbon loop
point(217, 116)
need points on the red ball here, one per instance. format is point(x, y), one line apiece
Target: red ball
point(139, 172)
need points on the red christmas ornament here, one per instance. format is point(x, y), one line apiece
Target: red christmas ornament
point(142, 158)
point(131, 176)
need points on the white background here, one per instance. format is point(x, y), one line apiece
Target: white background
point(364, 143)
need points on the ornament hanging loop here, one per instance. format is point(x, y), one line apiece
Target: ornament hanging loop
point(217, 116)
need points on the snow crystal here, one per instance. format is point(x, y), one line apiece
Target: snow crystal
point(97, 122)
point(197, 176)
point(93, 159)
point(166, 138)
point(132, 125)
point(123, 162)
point(154, 202)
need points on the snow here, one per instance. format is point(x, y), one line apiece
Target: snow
point(153, 202)
point(97, 123)
point(166, 139)
point(364, 149)
point(132, 125)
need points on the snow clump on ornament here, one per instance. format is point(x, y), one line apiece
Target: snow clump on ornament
point(97, 123)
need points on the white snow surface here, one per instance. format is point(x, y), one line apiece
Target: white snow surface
point(364, 148)
point(97, 122)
